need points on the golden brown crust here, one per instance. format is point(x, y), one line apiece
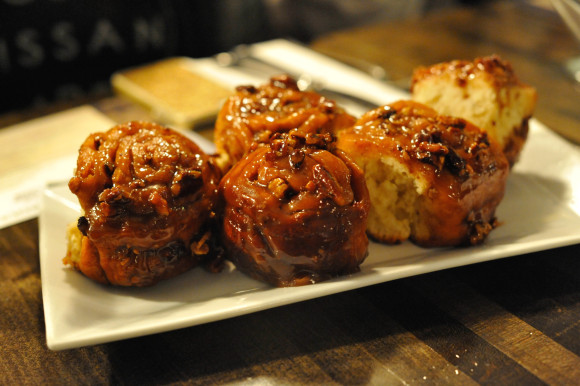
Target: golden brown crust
point(499, 72)
point(295, 214)
point(253, 114)
point(485, 91)
point(457, 174)
point(147, 193)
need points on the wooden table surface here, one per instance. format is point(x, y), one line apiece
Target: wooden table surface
point(533, 39)
point(511, 321)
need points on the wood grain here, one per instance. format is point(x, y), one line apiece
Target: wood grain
point(446, 327)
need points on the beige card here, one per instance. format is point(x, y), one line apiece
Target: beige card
point(172, 91)
point(40, 151)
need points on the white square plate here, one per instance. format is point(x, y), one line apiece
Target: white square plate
point(540, 211)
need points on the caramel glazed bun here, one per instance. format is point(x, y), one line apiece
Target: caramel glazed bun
point(434, 179)
point(295, 213)
point(147, 194)
point(253, 114)
point(486, 92)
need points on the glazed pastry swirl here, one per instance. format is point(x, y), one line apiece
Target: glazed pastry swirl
point(147, 193)
point(295, 212)
point(253, 114)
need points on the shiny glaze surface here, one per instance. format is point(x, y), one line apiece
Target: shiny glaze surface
point(295, 214)
point(494, 72)
point(147, 193)
point(253, 114)
point(464, 172)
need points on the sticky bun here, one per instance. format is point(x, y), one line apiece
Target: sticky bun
point(434, 179)
point(253, 114)
point(147, 193)
point(486, 92)
point(295, 211)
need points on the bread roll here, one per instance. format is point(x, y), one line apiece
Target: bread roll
point(253, 114)
point(486, 92)
point(295, 212)
point(148, 194)
point(433, 179)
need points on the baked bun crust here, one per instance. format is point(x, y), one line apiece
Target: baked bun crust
point(295, 214)
point(434, 179)
point(486, 92)
point(147, 194)
point(253, 114)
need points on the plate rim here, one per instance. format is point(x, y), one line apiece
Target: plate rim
point(284, 296)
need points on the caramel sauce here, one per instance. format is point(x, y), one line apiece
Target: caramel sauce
point(451, 149)
point(292, 223)
point(461, 170)
point(253, 114)
point(147, 193)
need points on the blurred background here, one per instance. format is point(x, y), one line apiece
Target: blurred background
point(59, 50)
